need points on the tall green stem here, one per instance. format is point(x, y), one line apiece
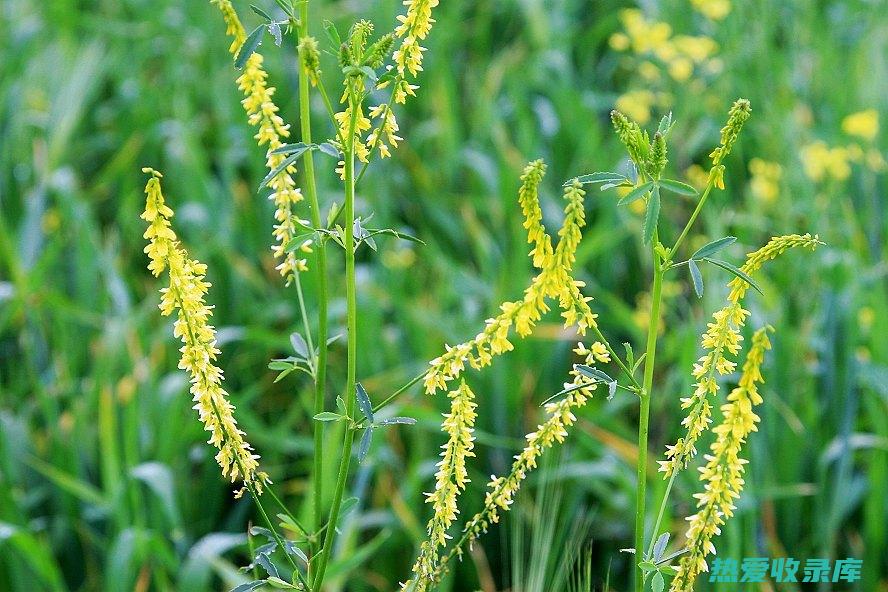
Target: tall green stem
point(321, 270)
point(352, 323)
point(644, 413)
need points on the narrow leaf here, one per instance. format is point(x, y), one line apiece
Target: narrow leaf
point(635, 194)
point(696, 277)
point(677, 187)
point(665, 124)
point(327, 416)
point(651, 216)
point(364, 401)
point(261, 12)
point(611, 389)
point(594, 373)
point(249, 47)
point(249, 586)
point(275, 29)
point(280, 168)
point(364, 447)
point(713, 247)
point(599, 177)
point(737, 272)
point(329, 149)
point(299, 345)
point(290, 148)
point(395, 420)
point(660, 546)
point(268, 566)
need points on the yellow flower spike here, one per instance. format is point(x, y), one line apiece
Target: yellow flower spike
point(262, 113)
point(722, 340)
point(723, 474)
point(737, 116)
point(414, 26)
point(555, 281)
point(528, 199)
point(450, 481)
point(185, 294)
point(501, 490)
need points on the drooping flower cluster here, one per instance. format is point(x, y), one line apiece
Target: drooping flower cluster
point(185, 294)
point(271, 133)
point(450, 481)
point(555, 280)
point(722, 339)
point(723, 474)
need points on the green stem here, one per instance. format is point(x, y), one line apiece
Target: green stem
point(660, 513)
point(311, 192)
point(395, 394)
point(615, 357)
point(352, 322)
point(644, 413)
point(684, 233)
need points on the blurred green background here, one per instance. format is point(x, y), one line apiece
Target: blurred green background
point(105, 480)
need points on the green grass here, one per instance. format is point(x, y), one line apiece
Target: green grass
point(105, 481)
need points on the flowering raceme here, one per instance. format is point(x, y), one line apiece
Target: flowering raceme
point(723, 474)
point(555, 280)
point(271, 132)
point(185, 294)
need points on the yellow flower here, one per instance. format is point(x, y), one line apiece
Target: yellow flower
point(619, 42)
point(863, 124)
point(185, 294)
point(773, 249)
point(262, 113)
point(414, 26)
point(821, 162)
point(723, 474)
point(765, 182)
point(555, 281)
point(681, 69)
point(714, 10)
point(450, 481)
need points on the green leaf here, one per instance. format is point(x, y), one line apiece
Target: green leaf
point(665, 125)
point(611, 389)
point(713, 247)
point(299, 345)
point(347, 505)
point(657, 583)
point(396, 420)
point(638, 362)
point(669, 570)
point(364, 446)
point(275, 29)
point(364, 402)
point(280, 365)
point(327, 416)
point(737, 272)
point(284, 6)
point(630, 354)
point(280, 584)
point(647, 566)
point(369, 72)
point(672, 556)
point(696, 277)
point(265, 562)
point(329, 149)
point(249, 47)
point(291, 148)
point(599, 177)
point(280, 168)
point(594, 373)
point(396, 234)
point(651, 216)
point(660, 546)
point(285, 373)
point(677, 187)
point(332, 34)
point(249, 586)
point(635, 194)
point(261, 12)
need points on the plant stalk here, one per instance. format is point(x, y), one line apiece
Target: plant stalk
point(644, 412)
point(352, 318)
point(311, 192)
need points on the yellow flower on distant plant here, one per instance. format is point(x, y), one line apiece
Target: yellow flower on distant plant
point(637, 105)
point(765, 182)
point(714, 10)
point(863, 124)
point(821, 162)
